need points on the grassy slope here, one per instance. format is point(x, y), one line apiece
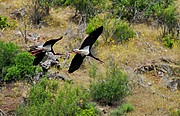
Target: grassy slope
point(128, 56)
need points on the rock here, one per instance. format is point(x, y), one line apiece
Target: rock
point(56, 75)
point(174, 84)
point(18, 14)
point(33, 36)
point(149, 84)
point(51, 60)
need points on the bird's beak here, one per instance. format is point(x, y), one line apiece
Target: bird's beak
point(71, 51)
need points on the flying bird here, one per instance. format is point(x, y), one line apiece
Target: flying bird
point(40, 51)
point(85, 50)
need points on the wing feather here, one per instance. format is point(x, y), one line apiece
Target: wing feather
point(93, 36)
point(39, 57)
point(76, 63)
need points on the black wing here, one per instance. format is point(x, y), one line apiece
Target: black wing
point(89, 41)
point(38, 58)
point(76, 63)
point(52, 41)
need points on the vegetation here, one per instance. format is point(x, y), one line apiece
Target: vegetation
point(122, 110)
point(120, 19)
point(8, 51)
point(48, 98)
point(14, 65)
point(168, 41)
point(3, 22)
point(22, 68)
point(175, 113)
point(111, 88)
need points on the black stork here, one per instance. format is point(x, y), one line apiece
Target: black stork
point(85, 50)
point(40, 51)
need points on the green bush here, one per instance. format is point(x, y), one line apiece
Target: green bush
point(8, 51)
point(93, 24)
point(111, 88)
point(48, 98)
point(114, 28)
point(3, 22)
point(23, 67)
point(162, 11)
point(122, 31)
point(167, 17)
point(123, 109)
point(168, 41)
point(175, 113)
point(93, 70)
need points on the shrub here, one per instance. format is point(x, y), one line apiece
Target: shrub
point(167, 17)
point(8, 52)
point(23, 67)
point(93, 70)
point(37, 10)
point(3, 22)
point(93, 24)
point(111, 88)
point(123, 109)
point(114, 28)
point(168, 41)
point(88, 8)
point(175, 113)
point(48, 98)
point(122, 31)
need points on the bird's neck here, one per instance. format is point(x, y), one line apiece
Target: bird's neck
point(47, 48)
point(84, 52)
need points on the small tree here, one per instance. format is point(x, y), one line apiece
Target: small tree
point(47, 98)
point(110, 89)
point(8, 51)
point(23, 67)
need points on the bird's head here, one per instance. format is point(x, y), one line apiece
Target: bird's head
point(77, 51)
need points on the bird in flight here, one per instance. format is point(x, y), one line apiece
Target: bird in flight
point(40, 51)
point(85, 50)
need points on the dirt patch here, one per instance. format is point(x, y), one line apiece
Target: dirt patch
point(11, 95)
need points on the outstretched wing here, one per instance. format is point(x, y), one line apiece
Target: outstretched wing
point(93, 36)
point(38, 58)
point(76, 63)
point(52, 41)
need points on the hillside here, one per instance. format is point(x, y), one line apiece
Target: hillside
point(151, 67)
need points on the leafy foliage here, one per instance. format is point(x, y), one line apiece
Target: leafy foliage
point(168, 41)
point(123, 109)
point(23, 67)
point(47, 98)
point(8, 52)
point(93, 24)
point(122, 31)
point(110, 89)
point(38, 9)
point(3, 22)
point(113, 28)
point(93, 70)
point(86, 8)
point(175, 113)
point(162, 11)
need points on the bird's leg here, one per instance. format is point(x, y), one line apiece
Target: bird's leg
point(59, 54)
point(35, 51)
point(97, 59)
